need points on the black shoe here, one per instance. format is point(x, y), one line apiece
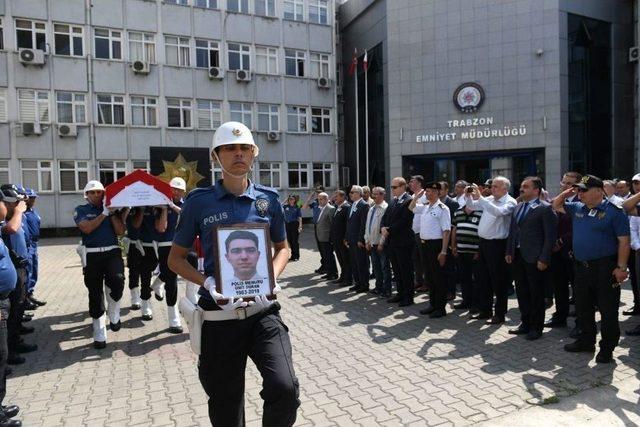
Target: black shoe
point(28, 305)
point(23, 347)
point(99, 345)
point(405, 304)
point(135, 306)
point(10, 411)
point(147, 317)
point(575, 333)
point(175, 329)
point(362, 290)
point(427, 310)
point(330, 276)
point(320, 270)
point(481, 316)
point(632, 312)
point(354, 288)
point(461, 306)
point(374, 291)
point(495, 320)
point(335, 281)
point(473, 311)
point(24, 330)
point(344, 284)
point(436, 314)
point(27, 317)
point(394, 299)
point(294, 259)
point(633, 332)
point(6, 422)
point(579, 347)
point(533, 335)
point(520, 330)
point(115, 327)
point(556, 323)
point(15, 359)
point(604, 357)
point(37, 302)
point(386, 295)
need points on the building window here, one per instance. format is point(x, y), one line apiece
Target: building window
point(318, 11)
point(266, 60)
point(4, 171)
point(1, 33)
point(142, 47)
point(208, 114)
point(239, 56)
point(241, 112)
point(178, 113)
point(37, 174)
point(294, 62)
point(140, 164)
point(144, 111)
point(207, 54)
point(269, 174)
point(69, 40)
point(71, 107)
point(216, 172)
point(298, 175)
point(180, 2)
point(322, 175)
point(296, 119)
point(209, 4)
point(74, 175)
point(294, 9)
point(268, 118)
point(177, 50)
point(111, 171)
point(110, 110)
point(265, 7)
point(108, 44)
point(241, 6)
point(31, 34)
point(319, 65)
point(33, 106)
point(3, 105)
point(320, 120)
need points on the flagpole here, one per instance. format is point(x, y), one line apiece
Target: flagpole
point(366, 120)
point(357, 133)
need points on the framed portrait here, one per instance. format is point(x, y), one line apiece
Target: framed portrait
point(244, 267)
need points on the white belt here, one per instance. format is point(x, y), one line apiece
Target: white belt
point(164, 244)
point(148, 245)
point(237, 314)
point(153, 245)
point(103, 249)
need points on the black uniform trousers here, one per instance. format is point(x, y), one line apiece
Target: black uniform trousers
point(596, 286)
point(402, 266)
point(16, 299)
point(438, 292)
point(147, 266)
point(293, 236)
point(225, 347)
point(530, 289)
point(468, 278)
point(103, 269)
point(360, 265)
point(5, 307)
point(420, 276)
point(169, 278)
point(633, 278)
point(493, 277)
point(134, 262)
point(342, 254)
point(561, 270)
point(326, 251)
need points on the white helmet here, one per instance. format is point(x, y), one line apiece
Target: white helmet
point(233, 133)
point(93, 185)
point(178, 183)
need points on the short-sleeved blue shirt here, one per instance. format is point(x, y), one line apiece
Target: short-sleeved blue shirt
point(148, 232)
point(8, 275)
point(316, 209)
point(291, 213)
point(206, 207)
point(172, 221)
point(33, 223)
point(596, 231)
point(102, 236)
point(18, 241)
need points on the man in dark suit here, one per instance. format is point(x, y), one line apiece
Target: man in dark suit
point(398, 236)
point(337, 236)
point(356, 223)
point(532, 234)
point(323, 234)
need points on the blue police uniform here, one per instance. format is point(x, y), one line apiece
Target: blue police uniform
point(595, 249)
point(8, 280)
point(134, 256)
point(33, 221)
point(165, 239)
point(148, 235)
point(8, 274)
point(104, 259)
point(262, 336)
point(292, 214)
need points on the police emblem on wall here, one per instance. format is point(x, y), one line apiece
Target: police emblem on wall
point(262, 206)
point(468, 97)
point(191, 164)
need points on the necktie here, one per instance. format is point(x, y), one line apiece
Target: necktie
point(523, 212)
point(373, 213)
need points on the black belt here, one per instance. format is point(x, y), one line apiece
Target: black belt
point(597, 261)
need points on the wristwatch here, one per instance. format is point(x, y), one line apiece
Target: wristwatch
point(625, 268)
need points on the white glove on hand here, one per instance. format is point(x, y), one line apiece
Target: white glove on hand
point(261, 301)
point(276, 289)
point(106, 211)
point(210, 285)
point(171, 204)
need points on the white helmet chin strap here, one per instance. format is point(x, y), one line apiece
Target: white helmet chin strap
point(244, 175)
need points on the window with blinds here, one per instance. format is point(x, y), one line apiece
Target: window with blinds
point(4, 171)
point(208, 114)
point(3, 105)
point(74, 175)
point(33, 106)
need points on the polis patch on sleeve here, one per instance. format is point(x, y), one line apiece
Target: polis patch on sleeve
point(262, 206)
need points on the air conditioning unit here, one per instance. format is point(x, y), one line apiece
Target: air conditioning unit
point(216, 73)
point(273, 136)
point(324, 83)
point(243, 76)
point(67, 130)
point(140, 67)
point(31, 129)
point(634, 54)
point(32, 56)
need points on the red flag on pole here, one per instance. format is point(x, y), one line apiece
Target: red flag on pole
point(354, 62)
point(365, 62)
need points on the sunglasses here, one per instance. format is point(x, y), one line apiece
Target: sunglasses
point(394, 186)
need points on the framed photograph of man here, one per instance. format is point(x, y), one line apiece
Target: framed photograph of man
point(244, 268)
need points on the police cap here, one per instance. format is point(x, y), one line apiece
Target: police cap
point(589, 181)
point(10, 193)
point(434, 185)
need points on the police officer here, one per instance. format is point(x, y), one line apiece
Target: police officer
point(435, 230)
point(33, 223)
point(601, 247)
point(149, 236)
point(166, 227)
point(101, 259)
point(135, 253)
point(8, 280)
point(237, 330)
point(293, 221)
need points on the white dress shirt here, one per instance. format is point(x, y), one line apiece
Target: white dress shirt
point(634, 225)
point(372, 226)
point(496, 216)
point(434, 220)
point(616, 200)
point(416, 216)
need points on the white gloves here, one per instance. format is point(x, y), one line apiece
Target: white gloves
point(106, 211)
point(171, 204)
point(259, 301)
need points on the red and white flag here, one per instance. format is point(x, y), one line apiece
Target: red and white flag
point(365, 62)
point(354, 62)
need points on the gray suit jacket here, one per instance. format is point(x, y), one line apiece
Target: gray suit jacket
point(323, 227)
point(536, 233)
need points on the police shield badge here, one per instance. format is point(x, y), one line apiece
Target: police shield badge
point(262, 206)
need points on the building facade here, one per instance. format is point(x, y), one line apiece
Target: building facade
point(88, 86)
point(468, 90)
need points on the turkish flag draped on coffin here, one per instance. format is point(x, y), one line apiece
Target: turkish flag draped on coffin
point(137, 189)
